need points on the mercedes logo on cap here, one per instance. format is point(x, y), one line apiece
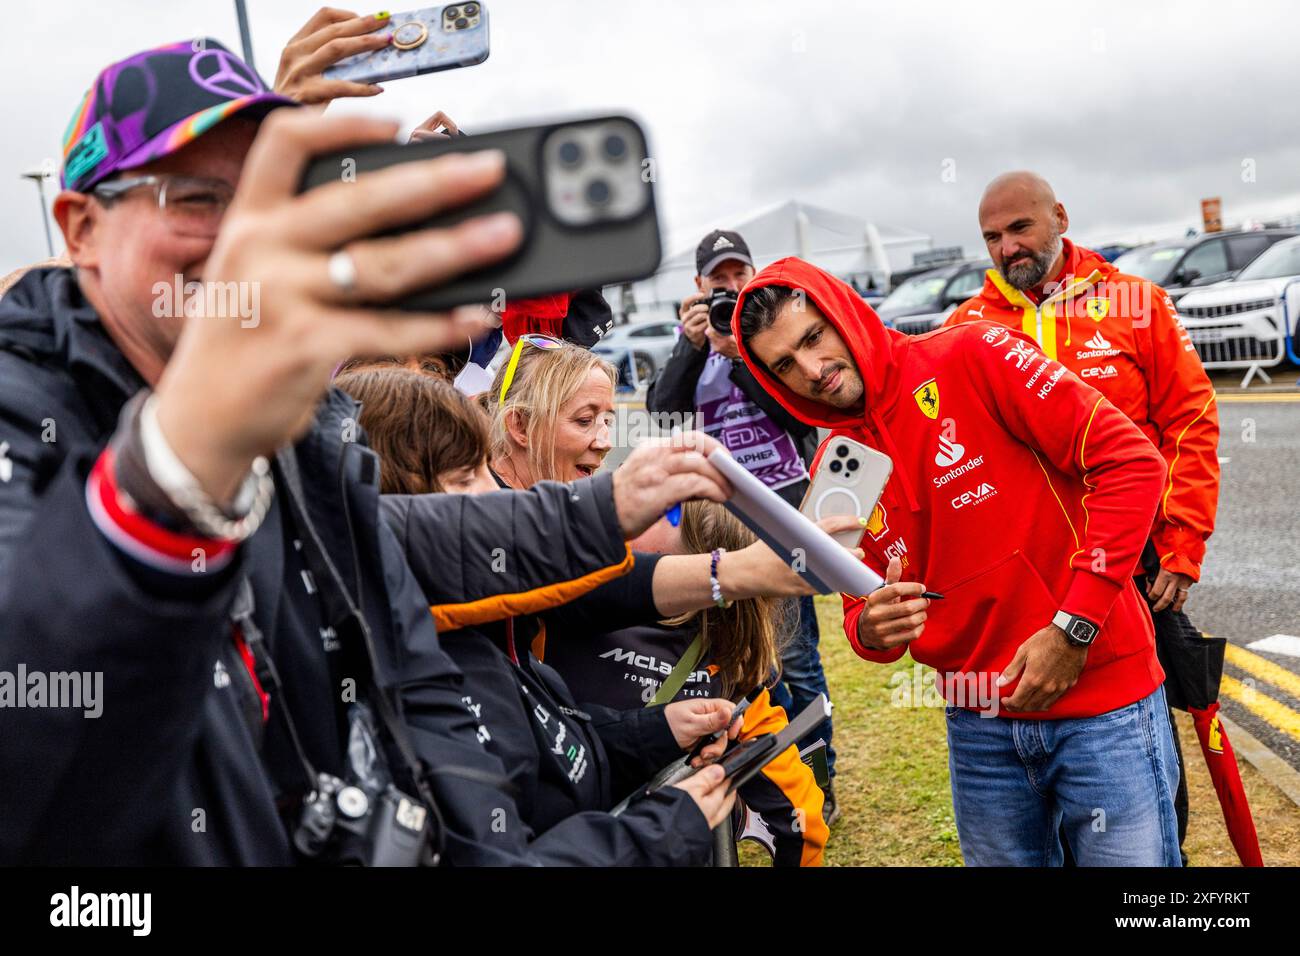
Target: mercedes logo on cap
point(223, 74)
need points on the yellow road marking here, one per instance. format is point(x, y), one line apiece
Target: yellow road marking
point(1264, 669)
point(1262, 706)
point(1263, 397)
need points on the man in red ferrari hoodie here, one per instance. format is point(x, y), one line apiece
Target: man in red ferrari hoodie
point(1024, 497)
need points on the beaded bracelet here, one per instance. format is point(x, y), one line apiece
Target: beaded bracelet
point(714, 586)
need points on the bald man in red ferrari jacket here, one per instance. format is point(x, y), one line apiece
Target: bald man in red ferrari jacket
point(1024, 497)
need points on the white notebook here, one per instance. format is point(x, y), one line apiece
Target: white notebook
point(826, 565)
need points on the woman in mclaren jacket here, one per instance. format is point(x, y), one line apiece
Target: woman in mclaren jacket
point(624, 664)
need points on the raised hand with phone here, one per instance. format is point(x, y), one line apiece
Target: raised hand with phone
point(315, 261)
point(329, 36)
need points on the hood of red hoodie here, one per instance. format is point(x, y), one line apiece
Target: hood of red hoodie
point(877, 351)
point(1078, 263)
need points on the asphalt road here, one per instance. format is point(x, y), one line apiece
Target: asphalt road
point(1250, 584)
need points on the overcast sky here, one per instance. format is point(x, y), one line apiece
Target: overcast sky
point(1134, 111)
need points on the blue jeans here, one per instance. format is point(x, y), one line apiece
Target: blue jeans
point(802, 678)
point(1106, 782)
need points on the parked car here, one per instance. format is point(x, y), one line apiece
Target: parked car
point(1244, 322)
point(1180, 265)
point(1113, 251)
point(922, 302)
point(650, 342)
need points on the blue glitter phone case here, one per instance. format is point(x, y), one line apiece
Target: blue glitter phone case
point(424, 41)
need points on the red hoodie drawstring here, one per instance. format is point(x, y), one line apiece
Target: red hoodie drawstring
point(892, 450)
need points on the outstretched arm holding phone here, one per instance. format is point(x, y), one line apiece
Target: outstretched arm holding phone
point(283, 245)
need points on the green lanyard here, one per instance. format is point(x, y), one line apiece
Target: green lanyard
point(673, 683)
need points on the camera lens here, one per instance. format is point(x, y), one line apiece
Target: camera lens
point(353, 802)
point(615, 146)
point(462, 23)
point(853, 464)
point(471, 9)
point(836, 466)
point(598, 192)
point(452, 13)
point(570, 153)
point(841, 451)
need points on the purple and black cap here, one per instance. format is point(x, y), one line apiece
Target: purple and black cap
point(153, 103)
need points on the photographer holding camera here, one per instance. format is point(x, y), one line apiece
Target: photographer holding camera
point(705, 376)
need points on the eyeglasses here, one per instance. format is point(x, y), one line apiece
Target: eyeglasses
point(534, 339)
point(192, 206)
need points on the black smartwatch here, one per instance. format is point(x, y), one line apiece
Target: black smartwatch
point(1079, 631)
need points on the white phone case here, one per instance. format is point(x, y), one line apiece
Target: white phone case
point(850, 480)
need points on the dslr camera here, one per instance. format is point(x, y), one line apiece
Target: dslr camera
point(722, 303)
point(364, 820)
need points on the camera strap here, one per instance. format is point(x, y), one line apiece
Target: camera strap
point(341, 608)
point(264, 669)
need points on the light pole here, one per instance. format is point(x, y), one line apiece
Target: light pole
point(38, 176)
point(245, 35)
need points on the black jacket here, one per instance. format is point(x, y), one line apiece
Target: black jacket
point(481, 557)
point(174, 770)
point(673, 391)
point(623, 664)
point(603, 647)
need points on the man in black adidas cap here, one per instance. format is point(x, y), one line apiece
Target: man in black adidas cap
point(705, 377)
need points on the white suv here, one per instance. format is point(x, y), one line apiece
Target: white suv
point(1243, 323)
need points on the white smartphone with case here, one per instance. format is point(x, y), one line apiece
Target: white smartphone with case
point(850, 480)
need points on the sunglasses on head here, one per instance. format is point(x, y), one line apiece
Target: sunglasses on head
point(536, 340)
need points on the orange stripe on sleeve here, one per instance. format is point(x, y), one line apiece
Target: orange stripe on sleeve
point(498, 607)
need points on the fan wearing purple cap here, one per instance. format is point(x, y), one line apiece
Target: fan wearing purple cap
point(182, 490)
point(152, 160)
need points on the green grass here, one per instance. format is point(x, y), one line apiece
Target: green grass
point(892, 776)
point(891, 764)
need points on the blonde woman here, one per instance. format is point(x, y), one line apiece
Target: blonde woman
point(553, 408)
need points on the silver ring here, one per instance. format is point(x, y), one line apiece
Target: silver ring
point(343, 271)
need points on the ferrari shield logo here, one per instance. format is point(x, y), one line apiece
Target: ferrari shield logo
point(1098, 309)
point(877, 526)
point(927, 398)
point(1216, 736)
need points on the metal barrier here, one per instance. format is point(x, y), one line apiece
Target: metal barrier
point(1228, 344)
point(1288, 326)
point(633, 375)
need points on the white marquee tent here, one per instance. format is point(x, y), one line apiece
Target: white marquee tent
point(848, 246)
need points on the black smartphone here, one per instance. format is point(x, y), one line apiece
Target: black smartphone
point(583, 189)
point(745, 759)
